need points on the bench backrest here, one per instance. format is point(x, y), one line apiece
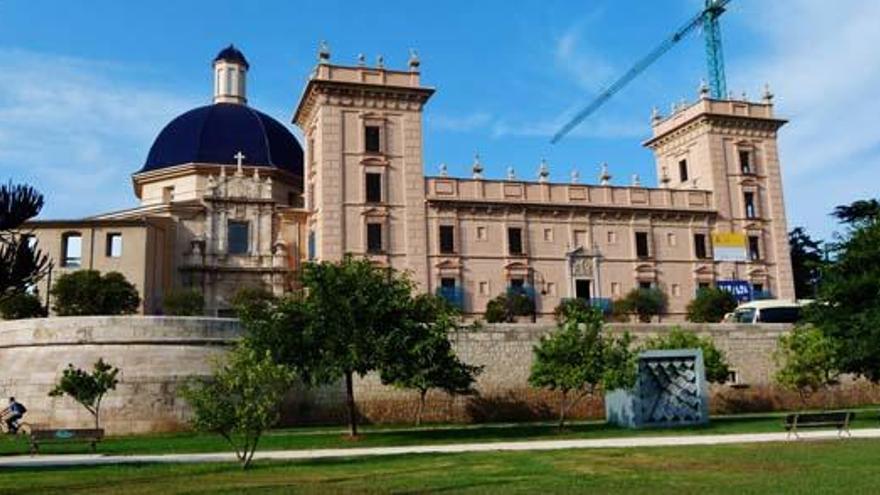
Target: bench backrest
point(68, 434)
point(821, 417)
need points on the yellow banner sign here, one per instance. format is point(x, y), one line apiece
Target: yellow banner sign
point(729, 246)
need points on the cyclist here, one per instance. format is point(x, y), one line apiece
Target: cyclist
point(17, 411)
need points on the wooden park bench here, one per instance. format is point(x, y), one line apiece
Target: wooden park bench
point(838, 419)
point(41, 436)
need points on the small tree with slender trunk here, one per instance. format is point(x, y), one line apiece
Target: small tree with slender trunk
point(87, 388)
point(420, 355)
point(242, 400)
point(806, 360)
point(577, 359)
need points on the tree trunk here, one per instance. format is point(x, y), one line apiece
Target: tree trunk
point(352, 407)
point(421, 409)
point(562, 410)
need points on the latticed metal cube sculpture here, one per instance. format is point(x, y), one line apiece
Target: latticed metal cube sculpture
point(671, 390)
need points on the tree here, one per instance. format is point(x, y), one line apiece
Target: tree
point(710, 305)
point(577, 359)
point(241, 401)
point(806, 360)
point(847, 307)
point(20, 305)
point(714, 360)
point(420, 356)
point(184, 302)
point(87, 292)
point(248, 297)
point(504, 308)
point(87, 388)
point(645, 303)
point(806, 260)
point(22, 264)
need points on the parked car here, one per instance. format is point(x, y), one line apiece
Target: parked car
point(768, 311)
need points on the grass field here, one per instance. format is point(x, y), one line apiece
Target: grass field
point(839, 466)
point(384, 436)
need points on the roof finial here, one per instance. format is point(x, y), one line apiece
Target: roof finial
point(575, 176)
point(477, 167)
point(543, 171)
point(655, 114)
point(605, 176)
point(704, 89)
point(380, 62)
point(239, 158)
point(511, 173)
point(636, 182)
point(768, 95)
point(323, 53)
point(414, 61)
point(444, 171)
point(362, 60)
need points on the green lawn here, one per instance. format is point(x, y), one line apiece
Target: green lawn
point(373, 436)
point(838, 466)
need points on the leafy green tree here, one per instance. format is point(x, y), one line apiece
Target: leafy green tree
point(251, 297)
point(87, 388)
point(184, 302)
point(806, 361)
point(806, 261)
point(21, 305)
point(710, 305)
point(577, 359)
point(504, 308)
point(241, 401)
point(847, 308)
point(644, 303)
point(87, 292)
point(420, 355)
point(22, 264)
point(714, 360)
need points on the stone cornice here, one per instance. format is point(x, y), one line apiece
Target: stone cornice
point(346, 93)
point(734, 124)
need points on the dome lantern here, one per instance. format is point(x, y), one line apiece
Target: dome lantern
point(230, 75)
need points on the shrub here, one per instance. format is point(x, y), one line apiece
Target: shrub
point(717, 368)
point(21, 305)
point(250, 297)
point(710, 305)
point(645, 303)
point(504, 308)
point(87, 292)
point(568, 308)
point(184, 302)
point(806, 360)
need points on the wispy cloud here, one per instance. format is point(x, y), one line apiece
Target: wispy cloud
point(76, 129)
point(821, 61)
point(459, 123)
point(579, 60)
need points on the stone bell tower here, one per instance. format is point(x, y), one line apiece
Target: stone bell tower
point(729, 147)
point(364, 177)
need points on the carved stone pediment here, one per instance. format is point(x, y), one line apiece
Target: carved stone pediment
point(582, 267)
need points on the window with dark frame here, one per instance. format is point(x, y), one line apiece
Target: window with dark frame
point(517, 283)
point(374, 187)
point(754, 248)
point(703, 286)
point(514, 240)
point(700, 246)
point(745, 161)
point(447, 239)
point(71, 247)
point(749, 200)
point(374, 237)
point(113, 248)
point(683, 170)
point(238, 237)
point(646, 285)
point(372, 140)
point(642, 250)
point(447, 283)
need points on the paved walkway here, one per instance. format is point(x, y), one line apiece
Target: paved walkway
point(598, 443)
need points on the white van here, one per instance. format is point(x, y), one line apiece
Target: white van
point(767, 311)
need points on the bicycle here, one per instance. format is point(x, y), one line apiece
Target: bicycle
point(24, 428)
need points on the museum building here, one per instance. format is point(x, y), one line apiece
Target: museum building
point(229, 198)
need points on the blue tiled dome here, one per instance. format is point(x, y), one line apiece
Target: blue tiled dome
point(215, 133)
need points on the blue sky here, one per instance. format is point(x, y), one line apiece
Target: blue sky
point(86, 86)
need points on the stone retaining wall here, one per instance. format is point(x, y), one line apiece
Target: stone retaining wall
point(156, 354)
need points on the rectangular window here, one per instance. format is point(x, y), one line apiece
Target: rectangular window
point(481, 234)
point(374, 237)
point(749, 200)
point(517, 283)
point(703, 286)
point(642, 250)
point(372, 142)
point(447, 239)
point(168, 194)
point(700, 246)
point(447, 283)
point(615, 288)
point(548, 235)
point(114, 245)
point(645, 285)
point(71, 246)
point(374, 187)
point(580, 238)
point(754, 248)
point(514, 240)
point(612, 237)
point(745, 162)
point(484, 288)
point(312, 246)
point(238, 237)
point(683, 170)
point(671, 239)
